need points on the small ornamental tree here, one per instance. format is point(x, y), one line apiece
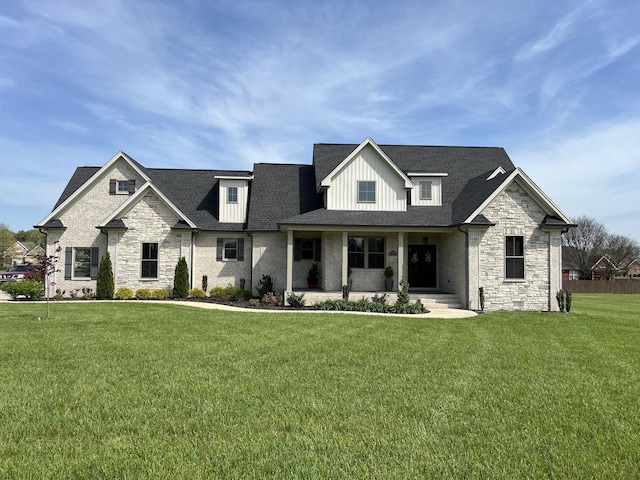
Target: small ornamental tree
point(105, 286)
point(181, 279)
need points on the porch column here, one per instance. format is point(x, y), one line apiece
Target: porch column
point(400, 258)
point(345, 258)
point(289, 261)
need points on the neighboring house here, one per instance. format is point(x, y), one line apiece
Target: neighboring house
point(447, 219)
point(629, 267)
point(22, 252)
point(604, 269)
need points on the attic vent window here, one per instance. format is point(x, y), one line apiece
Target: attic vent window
point(122, 187)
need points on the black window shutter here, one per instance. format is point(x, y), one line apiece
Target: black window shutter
point(95, 260)
point(219, 249)
point(112, 186)
point(297, 249)
point(241, 249)
point(68, 262)
point(316, 250)
point(132, 186)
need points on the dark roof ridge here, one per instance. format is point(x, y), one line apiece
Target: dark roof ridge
point(417, 146)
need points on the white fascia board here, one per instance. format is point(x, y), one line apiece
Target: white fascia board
point(326, 182)
point(423, 174)
point(233, 177)
point(133, 199)
point(496, 172)
point(525, 182)
point(89, 183)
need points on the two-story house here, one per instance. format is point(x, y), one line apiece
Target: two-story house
point(446, 219)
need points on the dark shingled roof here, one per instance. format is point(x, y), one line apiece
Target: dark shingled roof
point(281, 191)
point(287, 194)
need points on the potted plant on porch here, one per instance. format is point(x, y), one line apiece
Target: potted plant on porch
point(388, 279)
point(312, 276)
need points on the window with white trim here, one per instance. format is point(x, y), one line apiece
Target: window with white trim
point(426, 189)
point(366, 252)
point(366, 191)
point(82, 263)
point(514, 257)
point(232, 194)
point(230, 249)
point(149, 265)
point(123, 186)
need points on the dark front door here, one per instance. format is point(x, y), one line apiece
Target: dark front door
point(423, 266)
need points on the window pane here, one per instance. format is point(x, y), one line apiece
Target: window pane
point(82, 263)
point(425, 190)
point(366, 191)
point(230, 249)
point(306, 250)
point(376, 252)
point(123, 186)
point(232, 194)
point(356, 252)
point(515, 267)
point(514, 257)
point(149, 260)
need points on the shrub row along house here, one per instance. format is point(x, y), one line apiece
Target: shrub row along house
point(459, 220)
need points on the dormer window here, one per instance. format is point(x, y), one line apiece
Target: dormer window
point(366, 192)
point(425, 189)
point(232, 194)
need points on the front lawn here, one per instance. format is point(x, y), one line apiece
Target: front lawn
point(146, 390)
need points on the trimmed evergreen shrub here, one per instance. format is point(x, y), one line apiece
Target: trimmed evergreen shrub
point(296, 301)
point(123, 293)
point(181, 279)
point(105, 285)
point(143, 294)
point(160, 294)
point(197, 293)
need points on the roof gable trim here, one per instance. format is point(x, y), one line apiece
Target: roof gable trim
point(133, 199)
point(525, 182)
point(92, 181)
point(326, 182)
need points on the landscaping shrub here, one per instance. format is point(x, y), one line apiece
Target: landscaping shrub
point(123, 293)
point(265, 285)
point(181, 279)
point(272, 298)
point(403, 294)
point(254, 302)
point(367, 306)
point(143, 294)
point(229, 294)
point(31, 289)
point(197, 293)
point(296, 301)
point(160, 294)
point(104, 284)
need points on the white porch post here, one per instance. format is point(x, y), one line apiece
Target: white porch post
point(289, 261)
point(400, 259)
point(345, 258)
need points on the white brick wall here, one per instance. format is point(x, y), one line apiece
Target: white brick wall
point(220, 273)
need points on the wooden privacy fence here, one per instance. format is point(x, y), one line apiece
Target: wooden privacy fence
point(594, 286)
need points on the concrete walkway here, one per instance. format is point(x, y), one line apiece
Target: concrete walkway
point(434, 313)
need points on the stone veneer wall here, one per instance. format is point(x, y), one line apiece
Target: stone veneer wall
point(149, 221)
point(514, 212)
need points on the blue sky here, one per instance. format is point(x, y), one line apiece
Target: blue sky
point(224, 84)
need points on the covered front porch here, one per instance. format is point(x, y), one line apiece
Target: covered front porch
point(432, 261)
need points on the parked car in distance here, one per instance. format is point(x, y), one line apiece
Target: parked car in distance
point(16, 273)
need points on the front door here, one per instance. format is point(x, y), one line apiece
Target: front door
point(423, 266)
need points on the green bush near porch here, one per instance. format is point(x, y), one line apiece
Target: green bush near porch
point(149, 390)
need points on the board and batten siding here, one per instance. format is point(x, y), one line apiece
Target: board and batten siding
point(367, 166)
point(233, 212)
point(436, 191)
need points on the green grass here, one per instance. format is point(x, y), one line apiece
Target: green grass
point(146, 390)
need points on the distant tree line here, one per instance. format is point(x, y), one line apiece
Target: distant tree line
point(589, 241)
